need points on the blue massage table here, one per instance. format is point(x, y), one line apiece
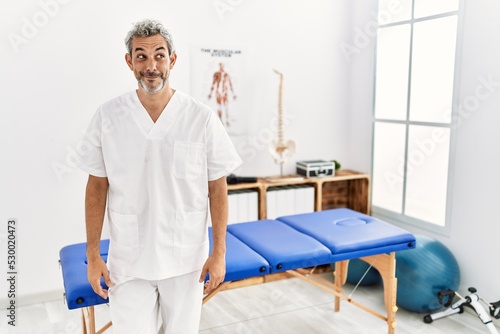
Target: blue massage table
point(288, 244)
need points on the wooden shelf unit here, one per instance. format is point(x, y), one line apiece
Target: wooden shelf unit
point(347, 189)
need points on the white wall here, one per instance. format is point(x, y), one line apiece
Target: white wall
point(56, 75)
point(475, 215)
point(359, 53)
point(475, 218)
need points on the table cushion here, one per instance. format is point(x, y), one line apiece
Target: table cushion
point(351, 234)
point(241, 261)
point(282, 246)
point(78, 290)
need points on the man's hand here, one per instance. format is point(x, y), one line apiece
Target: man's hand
point(215, 266)
point(95, 270)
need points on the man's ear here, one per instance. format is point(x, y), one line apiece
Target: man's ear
point(128, 59)
point(173, 59)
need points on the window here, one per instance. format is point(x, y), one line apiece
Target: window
point(413, 107)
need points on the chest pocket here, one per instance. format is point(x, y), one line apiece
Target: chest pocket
point(188, 159)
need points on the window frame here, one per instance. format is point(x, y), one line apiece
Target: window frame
point(401, 219)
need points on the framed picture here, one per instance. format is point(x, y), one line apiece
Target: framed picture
point(218, 79)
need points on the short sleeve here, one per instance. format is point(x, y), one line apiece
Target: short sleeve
point(222, 157)
point(90, 155)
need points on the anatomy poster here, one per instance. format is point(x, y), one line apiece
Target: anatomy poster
point(218, 80)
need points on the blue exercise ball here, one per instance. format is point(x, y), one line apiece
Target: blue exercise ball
point(424, 271)
point(357, 269)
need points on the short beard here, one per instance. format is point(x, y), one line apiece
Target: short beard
point(151, 89)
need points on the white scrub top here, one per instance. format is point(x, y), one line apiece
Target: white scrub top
point(158, 177)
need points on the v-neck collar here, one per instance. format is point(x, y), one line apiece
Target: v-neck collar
point(145, 122)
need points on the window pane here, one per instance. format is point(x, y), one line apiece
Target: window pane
point(390, 11)
point(393, 52)
point(433, 7)
point(388, 166)
point(433, 66)
point(427, 173)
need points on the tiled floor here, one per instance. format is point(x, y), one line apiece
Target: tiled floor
point(282, 307)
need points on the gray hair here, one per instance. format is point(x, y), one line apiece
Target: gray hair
point(147, 28)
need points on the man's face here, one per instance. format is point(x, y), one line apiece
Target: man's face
point(150, 62)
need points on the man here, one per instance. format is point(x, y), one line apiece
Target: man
point(222, 83)
point(154, 157)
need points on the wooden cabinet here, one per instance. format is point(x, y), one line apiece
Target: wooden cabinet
point(347, 189)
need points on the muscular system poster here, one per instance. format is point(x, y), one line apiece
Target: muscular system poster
point(218, 80)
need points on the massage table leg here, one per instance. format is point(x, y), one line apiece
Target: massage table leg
point(89, 322)
point(92, 320)
point(84, 323)
point(386, 266)
point(340, 277)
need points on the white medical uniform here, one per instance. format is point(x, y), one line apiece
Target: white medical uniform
point(158, 175)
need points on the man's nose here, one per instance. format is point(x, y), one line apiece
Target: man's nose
point(151, 65)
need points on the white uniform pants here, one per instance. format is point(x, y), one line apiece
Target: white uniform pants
point(136, 304)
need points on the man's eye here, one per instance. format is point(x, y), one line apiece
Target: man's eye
point(160, 56)
point(141, 57)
